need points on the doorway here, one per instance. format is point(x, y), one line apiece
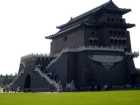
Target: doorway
point(27, 83)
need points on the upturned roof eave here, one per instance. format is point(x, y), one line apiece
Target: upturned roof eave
point(94, 11)
point(61, 32)
point(84, 15)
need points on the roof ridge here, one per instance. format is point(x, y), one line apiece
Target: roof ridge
point(86, 13)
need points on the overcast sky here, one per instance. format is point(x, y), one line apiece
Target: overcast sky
point(25, 23)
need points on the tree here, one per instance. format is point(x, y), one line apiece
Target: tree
point(6, 79)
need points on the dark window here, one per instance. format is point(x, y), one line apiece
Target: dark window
point(108, 19)
point(119, 33)
point(91, 42)
point(115, 32)
point(111, 32)
point(65, 38)
point(93, 32)
point(112, 19)
point(111, 40)
point(115, 42)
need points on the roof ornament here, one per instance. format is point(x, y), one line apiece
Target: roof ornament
point(71, 18)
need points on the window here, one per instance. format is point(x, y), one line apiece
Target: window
point(120, 42)
point(93, 41)
point(65, 38)
point(92, 33)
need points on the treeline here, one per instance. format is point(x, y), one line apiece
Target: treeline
point(6, 79)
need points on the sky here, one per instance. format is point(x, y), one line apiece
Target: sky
point(25, 23)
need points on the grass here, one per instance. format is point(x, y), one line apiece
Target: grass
point(128, 97)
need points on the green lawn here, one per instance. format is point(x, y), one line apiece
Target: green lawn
point(131, 97)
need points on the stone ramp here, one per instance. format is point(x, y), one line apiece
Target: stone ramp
point(53, 83)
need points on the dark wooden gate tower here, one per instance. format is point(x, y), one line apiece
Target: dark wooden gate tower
point(103, 30)
point(103, 26)
point(91, 51)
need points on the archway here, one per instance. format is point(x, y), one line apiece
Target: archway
point(27, 83)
